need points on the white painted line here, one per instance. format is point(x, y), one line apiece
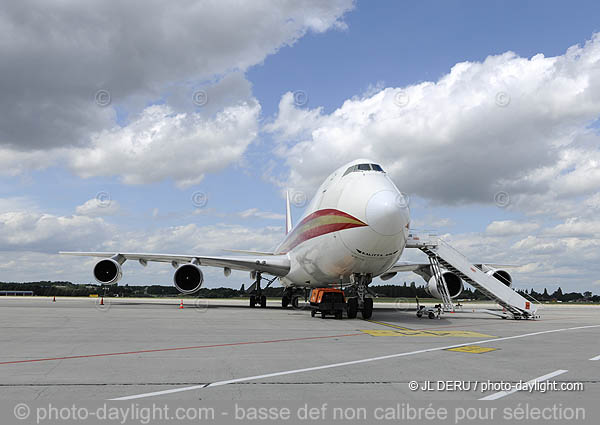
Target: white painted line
point(595, 358)
point(353, 362)
point(501, 394)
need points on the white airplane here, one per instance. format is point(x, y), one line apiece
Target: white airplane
point(354, 229)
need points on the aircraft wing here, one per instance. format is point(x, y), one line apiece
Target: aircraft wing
point(407, 266)
point(276, 265)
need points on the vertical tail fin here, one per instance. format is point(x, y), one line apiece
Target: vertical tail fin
point(288, 213)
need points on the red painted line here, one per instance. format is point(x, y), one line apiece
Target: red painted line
point(232, 344)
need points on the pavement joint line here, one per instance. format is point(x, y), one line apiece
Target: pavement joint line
point(158, 350)
point(348, 363)
point(543, 378)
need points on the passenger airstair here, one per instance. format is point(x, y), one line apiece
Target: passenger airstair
point(443, 256)
point(447, 303)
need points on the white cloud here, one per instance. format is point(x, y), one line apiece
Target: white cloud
point(430, 223)
point(191, 238)
point(505, 124)
point(24, 231)
point(510, 227)
point(162, 144)
point(255, 212)
point(546, 261)
point(57, 55)
point(34, 238)
point(98, 208)
point(576, 228)
point(17, 203)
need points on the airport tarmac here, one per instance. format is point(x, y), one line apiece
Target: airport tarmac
point(76, 349)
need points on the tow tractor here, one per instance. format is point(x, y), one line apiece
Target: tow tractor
point(327, 301)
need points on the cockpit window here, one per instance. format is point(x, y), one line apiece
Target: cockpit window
point(349, 170)
point(364, 167)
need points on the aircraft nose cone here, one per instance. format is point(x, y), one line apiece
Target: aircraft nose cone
point(387, 212)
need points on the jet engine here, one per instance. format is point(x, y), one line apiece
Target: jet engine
point(188, 278)
point(502, 275)
point(108, 272)
point(453, 282)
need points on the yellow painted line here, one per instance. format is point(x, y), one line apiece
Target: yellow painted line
point(388, 324)
point(402, 331)
point(402, 328)
point(412, 332)
point(474, 349)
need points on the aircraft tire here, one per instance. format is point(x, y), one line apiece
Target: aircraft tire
point(367, 310)
point(252, 301)
point(352, 308)
point(263, 301)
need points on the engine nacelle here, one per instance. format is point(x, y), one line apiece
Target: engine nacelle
point(453, 282)
point(188, 278)
point(502, 275)
point(108, 272)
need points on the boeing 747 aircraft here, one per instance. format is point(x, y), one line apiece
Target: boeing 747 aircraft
point(354, 229)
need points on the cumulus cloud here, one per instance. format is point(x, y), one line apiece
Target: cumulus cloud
point(192, 238)
point(162, 144)
point(68, 67)
point(30, 237)
point(513, 124)
point(510, 227)
point(575, 227)
point(31, 231)
point(545, 261)
point(98, 208)
point(255, 212)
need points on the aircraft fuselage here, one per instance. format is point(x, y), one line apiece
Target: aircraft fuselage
point(358, 222)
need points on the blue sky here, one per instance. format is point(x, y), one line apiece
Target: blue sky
point(333, 54)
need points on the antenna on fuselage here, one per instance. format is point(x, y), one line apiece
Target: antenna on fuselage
point(288, 213)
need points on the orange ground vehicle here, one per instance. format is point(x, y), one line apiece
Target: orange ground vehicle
point(327, 301)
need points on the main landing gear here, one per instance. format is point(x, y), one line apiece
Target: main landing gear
point(358, 300)
point(256, 293)
point(291, 296)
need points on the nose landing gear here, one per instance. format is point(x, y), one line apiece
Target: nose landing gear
point(358, 300)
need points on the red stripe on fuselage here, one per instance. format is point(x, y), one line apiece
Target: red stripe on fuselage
point(297, 236)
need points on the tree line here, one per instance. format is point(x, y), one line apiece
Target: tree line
point(411, 290)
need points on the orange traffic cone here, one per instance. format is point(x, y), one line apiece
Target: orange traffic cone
point(181, 304)
point(54, 299)
point(102, 301)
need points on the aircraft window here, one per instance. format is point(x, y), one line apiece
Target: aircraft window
point(350, 170)
point(363, 167)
